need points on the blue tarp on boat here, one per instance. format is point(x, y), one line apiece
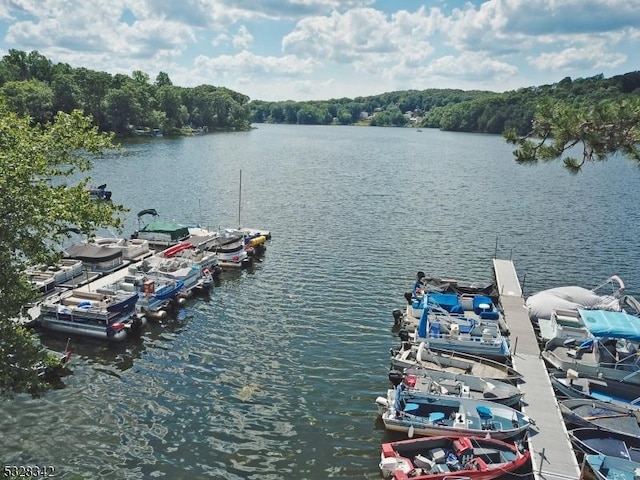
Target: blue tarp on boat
point(603, 323)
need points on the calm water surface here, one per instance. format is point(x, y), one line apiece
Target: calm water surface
point(275, 373)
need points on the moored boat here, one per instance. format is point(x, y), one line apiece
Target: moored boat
point(607, 296)
point(571, 384)
point(420, 380)
point(605, 416)
point(159, 233)
point(411, 355)
point(48, 279)
point(444, 326)
point(606, 467)
point(99, 193)
point(92, 314)
point(156, 295)
point(606, 346)
point(133, 249)
point(432, 415)
point(594, 441)
point(442, 457)
point(95, 258)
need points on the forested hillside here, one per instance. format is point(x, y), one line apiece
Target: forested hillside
point(454, 110)
point(34, 86)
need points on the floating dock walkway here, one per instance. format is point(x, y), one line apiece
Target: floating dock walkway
point(552, 456)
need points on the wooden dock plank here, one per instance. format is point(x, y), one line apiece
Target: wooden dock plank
point(552, 455)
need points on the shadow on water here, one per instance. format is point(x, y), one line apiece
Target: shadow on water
point(119, 355)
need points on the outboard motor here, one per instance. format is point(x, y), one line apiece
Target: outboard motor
point(404, 335)
point(420, 275)
point(408, 296)
point(395, 377)
point(397, 316)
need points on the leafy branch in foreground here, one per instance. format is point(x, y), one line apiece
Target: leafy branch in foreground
point(39, 201)
point(600, 131)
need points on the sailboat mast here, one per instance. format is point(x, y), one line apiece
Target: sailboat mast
point(240, 199)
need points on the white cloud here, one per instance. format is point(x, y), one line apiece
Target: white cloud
point(242, 39)
point(247, 63)
point(332, 46)
point(588, 57)
point(66, 30)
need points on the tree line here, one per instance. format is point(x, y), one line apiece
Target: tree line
point(33, 86)
point(452, 110)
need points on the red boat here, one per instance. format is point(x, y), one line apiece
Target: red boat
point(439, 458)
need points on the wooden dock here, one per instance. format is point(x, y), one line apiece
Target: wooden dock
point(552, 456)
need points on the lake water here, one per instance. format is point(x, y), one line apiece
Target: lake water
point(274, 374)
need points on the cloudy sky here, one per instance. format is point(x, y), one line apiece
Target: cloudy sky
point(322, 49)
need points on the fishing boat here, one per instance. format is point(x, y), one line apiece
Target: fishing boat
point(427, 414)
point(573, 385)
point(92, 314)
point(464, 290)
point(606, 416)
point(443, 457)
point(420, 380)
point(606, 346)
point(443, 325)
point(411, 355)
point(606, 467)
point(594, 441)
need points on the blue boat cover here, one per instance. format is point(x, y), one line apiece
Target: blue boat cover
point(603, 324)
point(444, 300)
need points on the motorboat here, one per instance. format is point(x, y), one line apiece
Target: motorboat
point(444, 457)
point(605, 347)
point(157, 295)
point(444, 327)
point(574, 385)
point(133, 249)
point(100, 193)
point(607, 296)
point(92, 314)
point(411, 355)
point(594, 441)
point(601, 415)
point(427, 414)
point(159, 233)
point(606, 467)
point(421, 380)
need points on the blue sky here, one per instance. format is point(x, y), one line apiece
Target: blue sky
point(322, 49)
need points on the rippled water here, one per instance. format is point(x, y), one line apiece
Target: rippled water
point(275, 373)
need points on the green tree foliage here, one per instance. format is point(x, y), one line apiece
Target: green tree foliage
point(38, 202)
point(31, 98)
point(456, 110)
point(119, 103)
point(598, 131)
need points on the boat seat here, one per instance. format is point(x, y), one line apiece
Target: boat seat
point(436, 416)
point(469, 327)
point(490, 315)
point(485, 415)
point(411, 407)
